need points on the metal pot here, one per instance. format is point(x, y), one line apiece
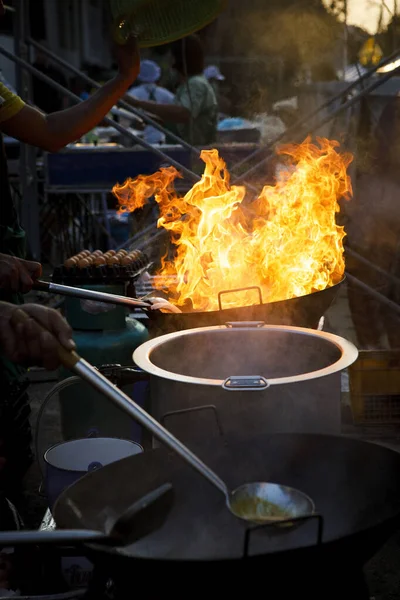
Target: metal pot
point(253, 378)
point(303, 311)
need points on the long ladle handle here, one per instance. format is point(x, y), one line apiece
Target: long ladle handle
point(76, 292)
point(71, 360)
point(61, 536)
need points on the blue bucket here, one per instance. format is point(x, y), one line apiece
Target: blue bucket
point(69, 461)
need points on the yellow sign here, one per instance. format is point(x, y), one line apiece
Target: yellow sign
point(370, 53)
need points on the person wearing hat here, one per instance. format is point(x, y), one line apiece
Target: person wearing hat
point(194, 113)
point(148, 90)
point(214, 76)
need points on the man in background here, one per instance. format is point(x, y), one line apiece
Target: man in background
point(215, 77)
point(194, 112)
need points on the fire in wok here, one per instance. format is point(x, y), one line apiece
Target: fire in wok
point(286, 242)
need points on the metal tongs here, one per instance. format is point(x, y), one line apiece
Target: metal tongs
point(145, 303)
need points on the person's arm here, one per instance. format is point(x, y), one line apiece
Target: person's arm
point(53, 132)
point(174, 113)
point(188, 105)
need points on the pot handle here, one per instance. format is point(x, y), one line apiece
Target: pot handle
point(237, 324)
point(249, 383)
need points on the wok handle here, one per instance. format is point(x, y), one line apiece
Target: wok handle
point(245, 289)
point(41, 286)
point(76, 292)
point(58, 536)
point(68, 358)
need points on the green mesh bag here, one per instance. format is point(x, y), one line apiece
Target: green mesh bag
point(157, 22)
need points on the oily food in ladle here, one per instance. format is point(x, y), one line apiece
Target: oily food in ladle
point(258, 509)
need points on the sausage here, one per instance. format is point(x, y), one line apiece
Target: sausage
point(99, 260)
point(70, 263)
point(83, 263)
point(112, 260)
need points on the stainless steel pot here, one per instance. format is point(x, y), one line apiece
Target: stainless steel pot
point(246, 377)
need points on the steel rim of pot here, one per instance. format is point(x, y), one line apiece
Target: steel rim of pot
point(142, 355)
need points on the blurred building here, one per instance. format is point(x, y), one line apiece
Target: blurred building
point(76, 30)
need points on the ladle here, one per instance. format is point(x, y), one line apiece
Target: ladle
point(141, 518)
point(256, 502)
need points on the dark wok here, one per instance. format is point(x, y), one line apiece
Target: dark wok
point(303, 311)
point(355, 486)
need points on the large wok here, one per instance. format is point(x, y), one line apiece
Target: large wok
point(355, 487)
point(303, 311)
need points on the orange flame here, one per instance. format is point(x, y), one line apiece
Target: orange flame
point(287, 242)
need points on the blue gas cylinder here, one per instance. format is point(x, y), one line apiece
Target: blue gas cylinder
point(104, 334)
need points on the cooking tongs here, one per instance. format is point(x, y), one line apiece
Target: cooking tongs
point(76, 292)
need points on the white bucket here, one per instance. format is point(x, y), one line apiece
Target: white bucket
point(69, 461)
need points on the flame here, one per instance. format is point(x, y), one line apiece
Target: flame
point(286, 242)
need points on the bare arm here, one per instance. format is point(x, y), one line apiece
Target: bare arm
point(167, 112)
point(54, 131)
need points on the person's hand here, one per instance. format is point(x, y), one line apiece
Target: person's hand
point(162, 304)
point(17, 275)
point(128, 59)
point(26, 342)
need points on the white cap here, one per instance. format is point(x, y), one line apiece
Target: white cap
point(149, 72)
point(213, 72)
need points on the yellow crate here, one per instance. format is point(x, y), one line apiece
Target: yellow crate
point(375, 387)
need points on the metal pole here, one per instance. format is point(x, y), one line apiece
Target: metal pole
point(345, 39)
point(301, 122)
point(328, 118)
point(57, 86)
point(28, 175)
point(142, 115)
point(372, 266)
point(380, 297)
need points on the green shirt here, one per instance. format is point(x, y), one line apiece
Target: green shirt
point(197, 95)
